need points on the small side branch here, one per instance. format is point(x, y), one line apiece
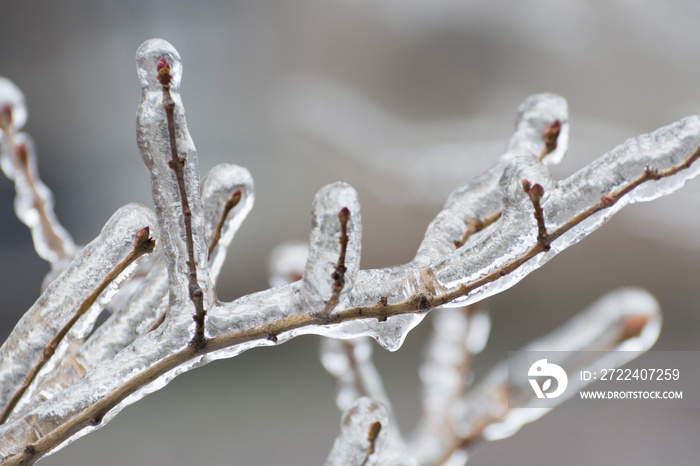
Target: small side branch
point(476, 225)
point(177, 164)
point(340, 269)
point(143, 244)
point(535, 192)
point(230, 203)
point(550, 136)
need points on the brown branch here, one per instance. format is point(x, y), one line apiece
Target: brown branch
point(380, 311)
point(177, 164)
point(230, 203)
point(143, 244)
point(340, 269)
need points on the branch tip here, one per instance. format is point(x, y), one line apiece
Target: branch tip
point(143, 240)
point(550, 135)
point(163, 69)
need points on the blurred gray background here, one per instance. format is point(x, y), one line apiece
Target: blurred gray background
point(403, 99)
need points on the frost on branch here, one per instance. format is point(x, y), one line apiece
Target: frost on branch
point(491, 233)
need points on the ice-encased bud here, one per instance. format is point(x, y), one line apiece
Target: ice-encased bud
point(535, 114)
point(363, 431)
point(12, 101)
point(147, 57)
point(217, 188)
point(324, 244)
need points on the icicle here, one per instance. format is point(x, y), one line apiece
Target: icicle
point(620, 324)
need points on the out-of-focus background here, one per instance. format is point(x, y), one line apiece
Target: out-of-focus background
point(403, 99)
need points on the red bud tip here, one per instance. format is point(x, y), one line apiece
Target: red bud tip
point(344, 214)
point(143, 239)
point(163, 68)
point(536, 192)
point(162, 63)
point(550, 134)
point(526, 185)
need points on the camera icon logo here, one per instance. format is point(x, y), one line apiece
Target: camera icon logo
point(541, 369)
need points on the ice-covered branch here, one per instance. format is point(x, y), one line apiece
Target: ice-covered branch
point(491, 217)
point(33, 201)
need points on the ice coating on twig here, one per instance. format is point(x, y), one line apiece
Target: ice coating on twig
point(60, 301)
point(481, 197)
point(217, 187)
point(33, 200)
point(513, 238)
point(621, 323)
point(350, 362)
point(154, 142)
point(384, 303)
point(458, 334)
point(333, 205)
point(362, 435)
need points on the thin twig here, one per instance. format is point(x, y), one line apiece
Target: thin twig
point(380, 311)
point(177, 164)
point(535, 193)
point(143, 244)
point(476, 225)
point(550, 135)
point(230, 203)
point(340, 269)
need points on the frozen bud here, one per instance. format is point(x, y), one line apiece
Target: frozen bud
point(163, 68)
point(536, 193)
point(344, 215)
point(234, 199)
point(143, 240)
point(550, 134)
point(526, 185)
